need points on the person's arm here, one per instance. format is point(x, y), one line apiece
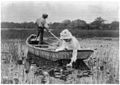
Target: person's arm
point(74, 56)
point(61, 47)
point(46, 26)
point(74, 53)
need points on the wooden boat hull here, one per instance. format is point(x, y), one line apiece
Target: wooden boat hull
point(52, 55)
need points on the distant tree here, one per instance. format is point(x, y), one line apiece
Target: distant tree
point(97, 23)
point(106, 26)
point(78, 24)
point(66, 22)
point(63, 25)
point(114, 25)
point(17, 25)
point(54, 25)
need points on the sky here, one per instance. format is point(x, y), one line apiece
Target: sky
point(27, 11)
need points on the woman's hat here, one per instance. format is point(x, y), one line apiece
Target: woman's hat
point(65, 34)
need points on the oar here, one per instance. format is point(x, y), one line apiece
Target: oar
point(54, 36)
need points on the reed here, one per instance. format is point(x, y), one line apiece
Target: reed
point(104, 64)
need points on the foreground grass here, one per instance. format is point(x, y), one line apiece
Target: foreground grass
point(104, 63)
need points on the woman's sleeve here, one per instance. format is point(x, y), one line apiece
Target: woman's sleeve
point(74, 55)
point(61, 47)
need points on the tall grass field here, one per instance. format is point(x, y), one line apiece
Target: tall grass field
point(104, 63)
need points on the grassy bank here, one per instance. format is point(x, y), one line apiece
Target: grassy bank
point(23, 34)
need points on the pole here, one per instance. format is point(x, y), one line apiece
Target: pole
point(54, 36)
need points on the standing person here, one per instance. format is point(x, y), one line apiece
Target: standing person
point(41, 25)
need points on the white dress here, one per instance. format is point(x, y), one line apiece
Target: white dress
point(72, 45)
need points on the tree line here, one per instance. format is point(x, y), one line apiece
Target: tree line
point(97, 24)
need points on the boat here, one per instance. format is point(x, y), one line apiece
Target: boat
point(47, 50)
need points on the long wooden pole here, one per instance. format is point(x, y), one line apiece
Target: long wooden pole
point(54, 36)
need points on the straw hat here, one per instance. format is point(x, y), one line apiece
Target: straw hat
point(65, 34)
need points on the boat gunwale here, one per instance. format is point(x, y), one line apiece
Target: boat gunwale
point(43, 49)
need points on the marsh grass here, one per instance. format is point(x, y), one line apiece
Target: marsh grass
point(104, 63)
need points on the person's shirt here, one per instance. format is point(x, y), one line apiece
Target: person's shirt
point(42, 22)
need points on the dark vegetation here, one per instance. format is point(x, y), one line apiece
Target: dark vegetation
point(79, 28)
point(23, 34)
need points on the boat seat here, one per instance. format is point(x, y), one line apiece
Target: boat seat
point(42, 46)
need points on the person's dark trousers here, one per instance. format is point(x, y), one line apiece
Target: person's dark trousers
point(40, 33)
